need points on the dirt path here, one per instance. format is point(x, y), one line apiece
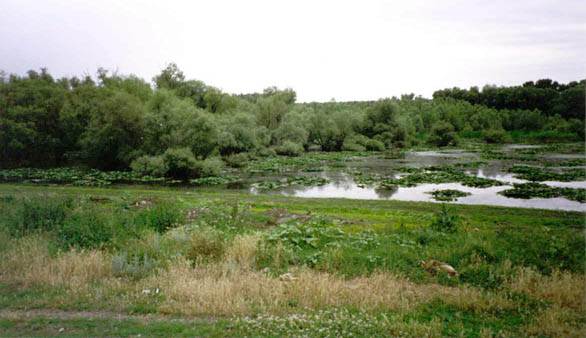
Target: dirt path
point(59, 314)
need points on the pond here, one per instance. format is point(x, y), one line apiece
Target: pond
point(346, 183)
point(528, 176)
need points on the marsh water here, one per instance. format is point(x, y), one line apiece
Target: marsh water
point(341, 183)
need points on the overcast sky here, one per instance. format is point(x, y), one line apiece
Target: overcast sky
point(347, 50)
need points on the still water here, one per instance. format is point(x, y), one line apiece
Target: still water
point(341, 185)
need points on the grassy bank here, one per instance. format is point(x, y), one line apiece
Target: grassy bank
point(230, 264)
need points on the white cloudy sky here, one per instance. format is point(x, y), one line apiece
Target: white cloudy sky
point(347, 50)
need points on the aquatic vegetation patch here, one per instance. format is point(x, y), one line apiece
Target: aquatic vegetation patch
point(432, 174)
point(293, 180)
point(407, 169)
point(536, 174)
point(448, 195)
point(479, 182)
point(313, 169)
point(493, 155)
point(307, 180)
point(367, 180)
point(532, 189)
point(474, 164)
point(557, 148)
point(415, 179)
point(75, 176)
point(575, 162)
point(306, 162)
point(214, 180)
point(93, 177)
point(270, 184)
point(396, 155)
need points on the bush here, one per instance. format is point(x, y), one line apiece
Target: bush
point(375, 145)
point(86, 229)
point(160, 217)
point(208, 167)
point(36, 214)
point(149, 166)
point(180, 162)
point(289, 148)
point(237, 160)
point(359, 142)
point(206, 245)
point(576, 126)
point(496, 136)
point(349, 146)
point(266, 152)
point(445, 221)
point(443, 134)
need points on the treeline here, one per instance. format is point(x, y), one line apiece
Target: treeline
point(185, 128)
point(545, 95)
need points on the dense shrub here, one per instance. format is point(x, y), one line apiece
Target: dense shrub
point(289, 148)
point(442, 134)
point(209, 167)
point(577, 127)
point(375, 145)
point(87, 229)
point(496, 136)
point(180, 162)
point(237, 160)
point(349, 146)
point(149, 165)
point(445, 221)
point(355, 142)
point(70, 223)
point(159, 217)
point(28, 215)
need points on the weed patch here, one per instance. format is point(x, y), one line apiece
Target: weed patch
point(531, 190)
point(448, 195)
point(535, 174)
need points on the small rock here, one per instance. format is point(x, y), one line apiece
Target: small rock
point(62, 329)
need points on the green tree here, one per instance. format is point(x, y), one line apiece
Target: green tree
point(115, 133)
point(170, 78)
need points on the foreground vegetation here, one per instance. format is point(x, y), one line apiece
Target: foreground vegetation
point(96, 260)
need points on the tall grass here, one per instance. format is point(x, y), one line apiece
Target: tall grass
point(82, 223)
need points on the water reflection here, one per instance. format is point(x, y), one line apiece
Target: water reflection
point(342, 185)
point(386, 193)
point(487, 196)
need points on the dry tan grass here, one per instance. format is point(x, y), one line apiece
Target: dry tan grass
point(225, 290)
point(29, 263)
point(557, 321)
point(243, 250)
point(561, 288)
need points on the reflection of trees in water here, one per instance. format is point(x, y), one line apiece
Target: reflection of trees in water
point(491, 171)
point(238, 185)
point(385, 193)
point(346, 184)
